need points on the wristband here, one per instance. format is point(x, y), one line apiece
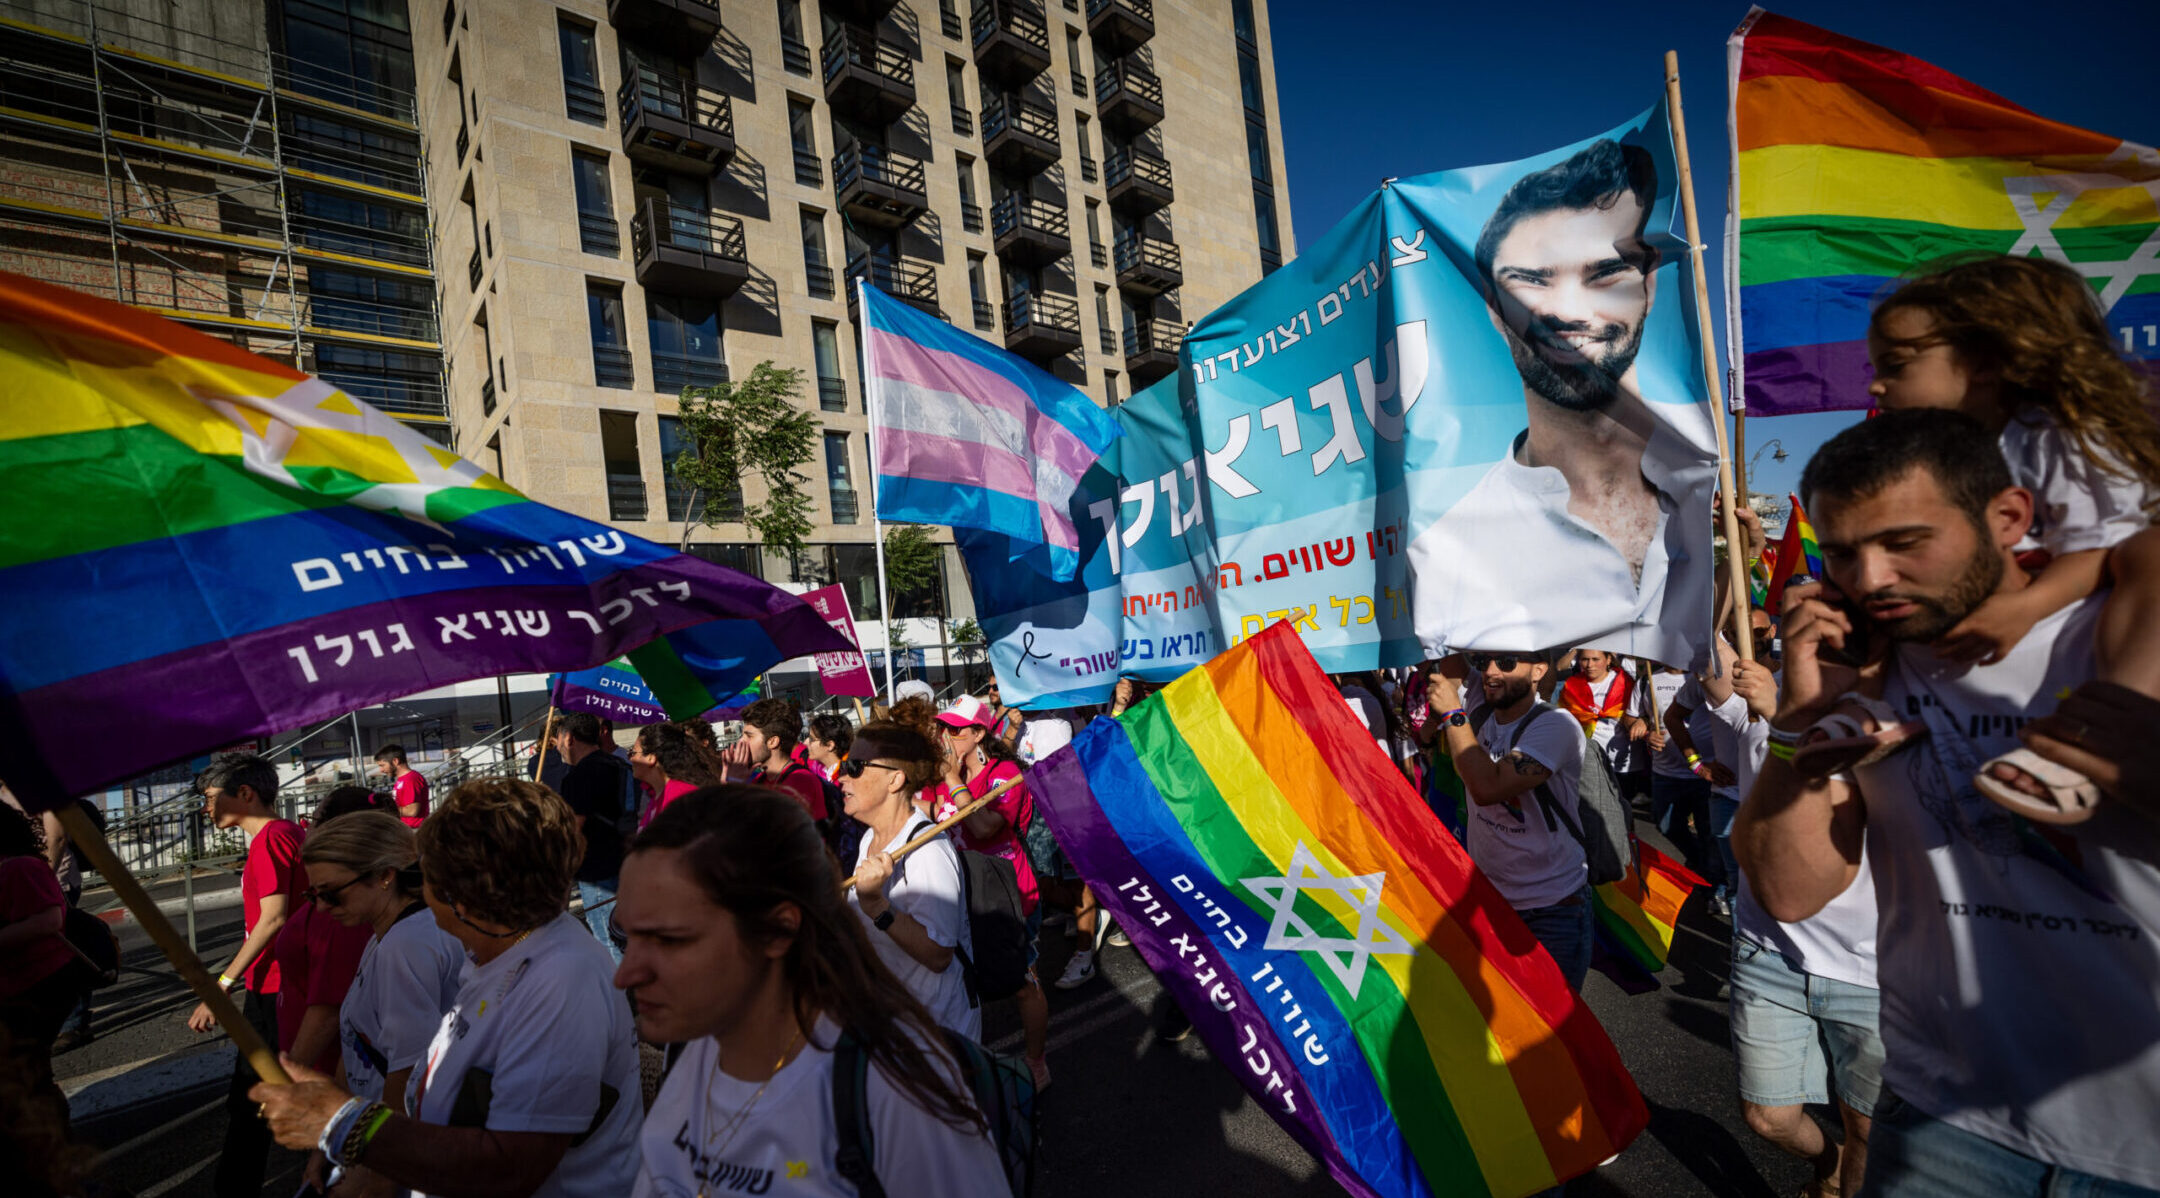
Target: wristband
point(1782, 750)
point(225, 982)
point(339, 1129)
point(1692, 758)
point(1448, 716)
point(1778, 736)
point(370, 1120)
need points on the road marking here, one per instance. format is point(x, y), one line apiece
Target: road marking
point(109, 1091)
point(1072, 1023)
point(163, 1129)
point(176, 1180)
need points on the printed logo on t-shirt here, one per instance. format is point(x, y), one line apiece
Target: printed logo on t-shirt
point(725, 1176)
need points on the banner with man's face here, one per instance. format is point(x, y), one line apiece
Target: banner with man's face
point(1472, 416)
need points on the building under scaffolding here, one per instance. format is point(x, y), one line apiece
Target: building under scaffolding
point(254, 171)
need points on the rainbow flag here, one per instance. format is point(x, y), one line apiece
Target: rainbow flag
point(1797, 553)
point(1334, 946)
point(206, 546)
point(971, 436)
point(618, 692)
point(1855, 164)
point(1760, 571)
point(1637, 914)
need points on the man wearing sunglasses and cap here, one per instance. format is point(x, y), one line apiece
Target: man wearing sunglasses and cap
point(1519, 759)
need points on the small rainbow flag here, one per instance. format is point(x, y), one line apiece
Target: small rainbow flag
point(205, 546)
point(1854, 164)
point(1334, 946)
point(1797, 553)
point(1637, 914)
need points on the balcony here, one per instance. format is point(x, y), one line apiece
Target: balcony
point(1019, 136)
point(1030, 231)
point(464, 142)
point(912, 281)
point(1097, 254)
point(673, 372)
point(1120, 26)
point(688, 251)
point(1151, 350)
point(1042, 326)
point(676, 125)
point(866, 77)
point(832, 394)
point(1149, 266)
point(878, 186)
point(1139, 182)
point(611, 367)
point(625, 495)
point(1129, 97)
point(686, 27)
point(1012, 40)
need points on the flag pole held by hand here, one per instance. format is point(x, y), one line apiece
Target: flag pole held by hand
point(950, 820)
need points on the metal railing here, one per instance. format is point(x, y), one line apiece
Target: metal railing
point(871, 163)
point(685, 228)
point(1154, 334)
point(1152, 252)
point(845, 508)
point(971, 218)
point(1016, 212)
point(985, 315)
point(397, 394)
point(963, 121)
point(1138, 166)
point(818, 277)
point(487, 397)
point(852, 45)
point(1042, 310)
point(625, 496)
point(584, 101)
point(679, 99)
point(1011, 111)
point(794, 54)
point(1017, 18)
point(1143, 9)
point(472, 268)
point(673, 372)
point(809, 169)
point(1087, 169)
point(899, 277)
point(832, 394)
point(598, 233)
point(1128, 76)
point(611, 367)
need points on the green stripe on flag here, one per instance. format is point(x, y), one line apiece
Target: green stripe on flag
point(1777, 249)
point(680, 693)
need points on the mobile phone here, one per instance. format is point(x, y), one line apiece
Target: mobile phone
point(1854, 654)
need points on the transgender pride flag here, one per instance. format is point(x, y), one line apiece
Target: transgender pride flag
point(970, 436)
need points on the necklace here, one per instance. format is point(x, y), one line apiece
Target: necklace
point(510, 977)
point(735, 1122)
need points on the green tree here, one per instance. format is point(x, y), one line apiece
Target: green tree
point(911, 558)
point(754, 426)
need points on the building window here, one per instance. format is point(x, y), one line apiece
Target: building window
point(625, 478)
point(831, 383)
point(449, 20)
point(1096, 253)
point(1072, 63)
point(979, 292)
point(582, 96)
point(1256, 152)
point(840, 479)
point(1109, 386)
point(352, 302)
point(1264, 223)
point(802, 135)
point(683, 500)
point(949, 19)
point(1102, 319)
point(399, 383)
point(794, 51)
point(610, 346)
point(971, 214)
point(817, 268)
point(1241, 22)
point(685, 335)
point(366, 228)
point(356, 53)
point(1248, 73)
point(963, 121)
point(748, 559)
point(597, 230)
point(855, 567)
point(487, 362)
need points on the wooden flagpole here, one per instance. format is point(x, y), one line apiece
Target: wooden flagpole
point(1736, 570)
point(940, 830)
point(547, 734)
point(261, 1056)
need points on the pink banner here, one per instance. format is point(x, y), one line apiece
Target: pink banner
point(843, 674)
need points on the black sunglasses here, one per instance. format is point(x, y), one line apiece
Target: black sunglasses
point(331, 896)
point(854, 769)
point(1508, 661)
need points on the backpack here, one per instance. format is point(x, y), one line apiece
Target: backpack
point(994, 964)
point(626, 817)
point(93, 941)
point(835, 801)
point(1607, 830)
point(1003, 1089)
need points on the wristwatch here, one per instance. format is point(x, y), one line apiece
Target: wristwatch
point(884, 920)
point(1458, 717)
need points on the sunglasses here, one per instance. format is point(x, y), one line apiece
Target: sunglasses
point(1508, 661)
point(330, 896)
point(854, 769)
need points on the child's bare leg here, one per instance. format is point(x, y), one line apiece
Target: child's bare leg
point(2128, 648)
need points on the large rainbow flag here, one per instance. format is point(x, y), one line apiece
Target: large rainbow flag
point(1333, 944)
point(204, 545)
point(1854, 164)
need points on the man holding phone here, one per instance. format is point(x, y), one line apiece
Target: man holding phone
point(2020, 975)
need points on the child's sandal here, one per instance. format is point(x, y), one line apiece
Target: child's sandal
point(1841, 741)
point(2071, 796)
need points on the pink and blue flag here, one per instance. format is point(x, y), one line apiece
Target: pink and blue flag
point(970, 436)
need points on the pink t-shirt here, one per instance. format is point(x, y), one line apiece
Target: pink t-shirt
point(317, 957)
point(1016, 805)
point(669, 792)
point(27, 886)
point(411, 791)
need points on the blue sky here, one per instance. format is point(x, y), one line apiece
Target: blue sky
point(1372, 88)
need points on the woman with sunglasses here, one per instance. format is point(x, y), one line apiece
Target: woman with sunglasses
point(915, 909)
point(317, 956)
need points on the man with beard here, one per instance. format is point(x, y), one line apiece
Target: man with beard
point(2019, 966)
point(1573, 536)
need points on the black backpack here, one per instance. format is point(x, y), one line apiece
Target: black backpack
point(1003, 1088)
point(94, 941)
point(994, 964)
point(1607, 830)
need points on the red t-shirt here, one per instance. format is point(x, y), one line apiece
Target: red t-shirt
point(411, 790)
point(27, 886)
point(317, 958)
point(801, 783)
point(1016, 805)
point(273, 867)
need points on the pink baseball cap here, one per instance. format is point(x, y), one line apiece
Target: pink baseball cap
point(966, 712)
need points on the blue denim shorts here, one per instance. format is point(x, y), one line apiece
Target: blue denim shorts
point(1793, 1033)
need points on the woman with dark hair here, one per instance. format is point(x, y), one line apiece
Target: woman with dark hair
point(531, 1084)
point(739, 942)
point(37, 986)
point(916, 907)
point(669, 761)
point(830, 740)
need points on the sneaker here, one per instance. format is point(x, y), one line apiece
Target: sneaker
point(74, 1037)
point(1078, 970)
point(1720, 906)
point(1041, 1069)
point(1118, 939)
point(1102, 929)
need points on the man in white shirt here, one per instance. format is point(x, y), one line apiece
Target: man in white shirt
point(2020, 970)
point(1521, 766)
point(1573, 536)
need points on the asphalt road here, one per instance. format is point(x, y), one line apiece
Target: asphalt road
point(1128, 1114)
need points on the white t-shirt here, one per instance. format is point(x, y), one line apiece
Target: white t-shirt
point(1042, 736)
point(927, 885)
point(1366, 707)
point(2017, 1003)
point(1725, 724)
point(1670, 762)
point(1532, 861)
point(2076, 504)
point(408, 977)
point(540, 1040)
point(1839, 940)
point(786, 1144)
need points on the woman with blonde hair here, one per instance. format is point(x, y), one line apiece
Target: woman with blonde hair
point(530, 1085)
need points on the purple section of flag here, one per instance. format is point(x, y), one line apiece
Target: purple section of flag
point(91, 730)
point(1235, 1027)
point(1828, 377)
